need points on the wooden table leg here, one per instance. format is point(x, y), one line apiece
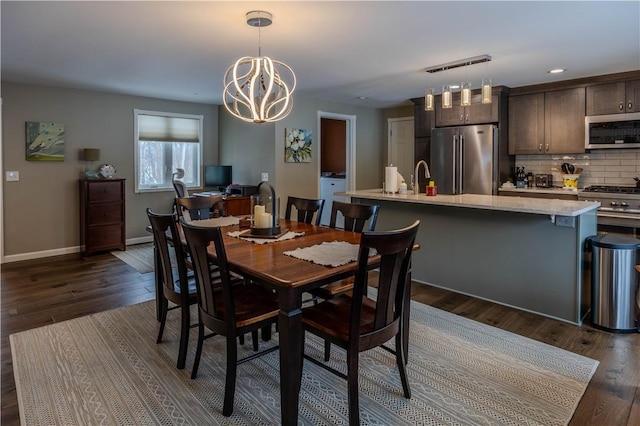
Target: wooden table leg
point(290, 330)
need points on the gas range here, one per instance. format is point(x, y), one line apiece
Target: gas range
point(620, 205)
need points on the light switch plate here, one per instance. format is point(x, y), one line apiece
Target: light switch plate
point(13, 176)
point(265, 177)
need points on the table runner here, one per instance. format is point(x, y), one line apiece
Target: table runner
point(335, 253)
point(217, 221)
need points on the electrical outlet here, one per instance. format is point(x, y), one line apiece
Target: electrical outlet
point(265, 176)
point(12, 176)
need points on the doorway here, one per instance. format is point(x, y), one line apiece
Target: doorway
point(336, 160)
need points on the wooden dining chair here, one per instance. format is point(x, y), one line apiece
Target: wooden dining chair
point(180, 291)
point(232, 312)
point(355, 218)
point(198, 208)
point(358, 323)
point(305, 208)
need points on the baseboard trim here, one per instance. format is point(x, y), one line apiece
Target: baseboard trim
point(65, 250)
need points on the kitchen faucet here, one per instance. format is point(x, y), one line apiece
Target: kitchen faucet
point(427, 175)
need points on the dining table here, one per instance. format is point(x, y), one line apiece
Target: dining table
point(265, 262)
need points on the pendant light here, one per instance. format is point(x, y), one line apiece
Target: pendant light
point(447, 98)
point(465, 90)
point(465, 86)
point(486, 86)
point(258, 89)
point(429, 100)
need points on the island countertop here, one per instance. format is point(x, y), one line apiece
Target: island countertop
point(486, 202)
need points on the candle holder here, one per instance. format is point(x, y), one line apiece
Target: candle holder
point(264, 212)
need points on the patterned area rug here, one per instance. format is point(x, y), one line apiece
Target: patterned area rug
point(107, 369)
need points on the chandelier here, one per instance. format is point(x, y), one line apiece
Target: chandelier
point(465, 86)
point(258, 89)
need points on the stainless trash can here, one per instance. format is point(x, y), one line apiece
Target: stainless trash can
point(614, 282)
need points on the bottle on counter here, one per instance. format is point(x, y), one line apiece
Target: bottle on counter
point(403, 187)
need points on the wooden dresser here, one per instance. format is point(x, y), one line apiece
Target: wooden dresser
point(102, 215)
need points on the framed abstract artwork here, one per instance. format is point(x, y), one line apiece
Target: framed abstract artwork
point(297, 146)
point(45, 141)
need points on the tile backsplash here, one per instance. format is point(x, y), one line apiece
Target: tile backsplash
point(602, 167)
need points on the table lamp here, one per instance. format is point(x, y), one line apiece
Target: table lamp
point(91, 155)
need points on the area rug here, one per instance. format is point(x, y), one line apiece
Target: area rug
point(107, 369)
point(139, 257)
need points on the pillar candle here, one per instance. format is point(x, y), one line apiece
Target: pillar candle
point(263, 220)
point(258, 209)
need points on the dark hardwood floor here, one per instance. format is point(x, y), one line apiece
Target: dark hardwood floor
point(40, 292)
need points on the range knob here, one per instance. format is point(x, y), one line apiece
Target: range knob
point(624, 204)
point(613, 204)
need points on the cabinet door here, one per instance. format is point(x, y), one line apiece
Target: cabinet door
point(526, 124)
point(564, 121)
point(606, 98)
point(479, 113)
point(633, 96)
point(453, 116)
point(422, 120)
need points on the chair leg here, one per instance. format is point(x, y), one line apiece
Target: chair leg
point(184, 336)
point(401, 360)
point(266, 333)
point(352, 381)
point(241, 339)
point(327, 350)
point(164, 307)
point(196, 361)
point(230, 382)
point(254, 338)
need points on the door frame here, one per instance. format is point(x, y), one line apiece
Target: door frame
point(350, 147)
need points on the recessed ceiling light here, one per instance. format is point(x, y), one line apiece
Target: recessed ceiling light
point(362, 98)
point(556, 71)
point(455, 86)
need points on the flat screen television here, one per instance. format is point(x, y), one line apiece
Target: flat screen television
point(217, 176)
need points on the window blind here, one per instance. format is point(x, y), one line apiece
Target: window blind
point(159, 128)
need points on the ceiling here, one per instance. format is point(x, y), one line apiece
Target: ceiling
point(365, 53)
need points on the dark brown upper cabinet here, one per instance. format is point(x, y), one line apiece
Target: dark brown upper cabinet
point(476, 113)
point(547, 123)
point(613, 98)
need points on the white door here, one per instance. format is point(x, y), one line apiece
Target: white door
point(401, 146)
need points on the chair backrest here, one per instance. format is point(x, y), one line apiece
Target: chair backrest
point(305, 208)
point(395, 248)
point(355, 216)
point(164, 227)
point(218, 318)
point(198, 208)
point(180, 187)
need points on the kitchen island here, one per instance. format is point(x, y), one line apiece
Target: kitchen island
point(522, 252)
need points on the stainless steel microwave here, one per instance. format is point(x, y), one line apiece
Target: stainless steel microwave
point(612, 131)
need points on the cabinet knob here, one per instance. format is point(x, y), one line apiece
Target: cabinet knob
point(621, 106)
point(547, 147)
point(462, 117)
point(540, 147)
point(630, 106)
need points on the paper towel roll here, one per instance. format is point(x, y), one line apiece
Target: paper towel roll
point(391, 179)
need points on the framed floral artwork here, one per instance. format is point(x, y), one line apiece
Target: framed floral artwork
point(297, 146)
point(45, 141)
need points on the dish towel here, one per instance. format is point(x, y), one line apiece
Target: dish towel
point(288, 236)
point(335, 253)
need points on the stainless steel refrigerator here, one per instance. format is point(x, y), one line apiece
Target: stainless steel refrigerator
point(464, 160)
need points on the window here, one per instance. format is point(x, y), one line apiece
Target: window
point(165, 142)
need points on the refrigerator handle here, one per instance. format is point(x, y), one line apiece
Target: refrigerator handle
point(460, 165)
point(456, 166)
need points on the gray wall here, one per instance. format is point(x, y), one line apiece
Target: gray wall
point(41, 212)
point(261, 147)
